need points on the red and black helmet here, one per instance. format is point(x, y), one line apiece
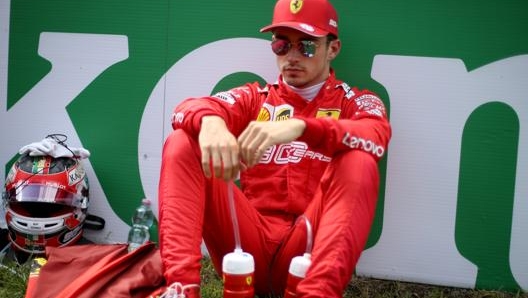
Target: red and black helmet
point(46, 202)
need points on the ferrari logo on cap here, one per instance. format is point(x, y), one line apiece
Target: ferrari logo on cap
point(296, 5)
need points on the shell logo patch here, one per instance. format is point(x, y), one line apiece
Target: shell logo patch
point(264, 114)
point(295, 6)
point(269, 112)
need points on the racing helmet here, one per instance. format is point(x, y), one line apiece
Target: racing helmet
point(46, 202)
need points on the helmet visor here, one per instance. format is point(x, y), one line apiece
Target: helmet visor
point(44, 194)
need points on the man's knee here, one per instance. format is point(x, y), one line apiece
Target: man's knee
point(179, 143)
point(354, 162)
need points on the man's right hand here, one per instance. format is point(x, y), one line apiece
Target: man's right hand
point(219, 147)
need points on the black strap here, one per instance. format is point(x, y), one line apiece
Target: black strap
point(94, 222)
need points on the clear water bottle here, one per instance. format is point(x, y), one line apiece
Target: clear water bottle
point(142, 220)
point(143, 214)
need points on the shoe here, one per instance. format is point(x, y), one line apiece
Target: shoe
point(177, 290)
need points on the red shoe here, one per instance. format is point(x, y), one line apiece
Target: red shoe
point(177, 290)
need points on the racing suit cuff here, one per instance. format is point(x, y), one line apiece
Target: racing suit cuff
point(314, 132)
point(197, 119)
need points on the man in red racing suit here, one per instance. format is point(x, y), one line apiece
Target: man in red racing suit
point(306, 146)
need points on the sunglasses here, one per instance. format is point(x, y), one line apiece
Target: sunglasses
point(281, 47)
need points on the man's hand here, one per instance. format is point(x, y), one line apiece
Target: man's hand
point(258, 136)
point(220, 153)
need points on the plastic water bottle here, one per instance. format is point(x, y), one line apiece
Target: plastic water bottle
point(142, 220)
point(238, 270)
point(297, 271)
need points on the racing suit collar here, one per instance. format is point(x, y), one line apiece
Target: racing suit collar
point(287, 92)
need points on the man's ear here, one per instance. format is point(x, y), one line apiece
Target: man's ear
point(334, 48)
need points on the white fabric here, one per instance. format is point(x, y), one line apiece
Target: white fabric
point(52, 148)
point(307, 93)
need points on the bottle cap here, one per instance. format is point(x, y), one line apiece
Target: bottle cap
point(238, 262)
point(299, 265)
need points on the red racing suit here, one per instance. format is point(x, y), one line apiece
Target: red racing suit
point(329, 174)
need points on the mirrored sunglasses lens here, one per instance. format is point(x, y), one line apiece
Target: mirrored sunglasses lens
point(280, 47)
point(307, 48)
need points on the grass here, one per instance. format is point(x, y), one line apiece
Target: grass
point(13, 279)
point(361, 287)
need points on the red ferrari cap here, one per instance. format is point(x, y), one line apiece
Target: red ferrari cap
point(314, 17)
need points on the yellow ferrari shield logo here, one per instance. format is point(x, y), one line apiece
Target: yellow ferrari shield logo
point(296, 5)
point(249, 280)
point(334, 113)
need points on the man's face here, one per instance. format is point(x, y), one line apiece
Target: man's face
point(297, 69)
